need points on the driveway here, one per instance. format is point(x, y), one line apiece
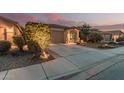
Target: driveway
point(93, 61)
point(82, 57)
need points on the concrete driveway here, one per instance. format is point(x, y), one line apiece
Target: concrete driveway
point(90, 61)
point(81, 56)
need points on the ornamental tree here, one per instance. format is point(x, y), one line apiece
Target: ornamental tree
point(85, 31)
point(40, 35)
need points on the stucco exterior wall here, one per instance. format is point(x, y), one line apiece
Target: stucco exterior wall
point(7, 32)
point(72, 39)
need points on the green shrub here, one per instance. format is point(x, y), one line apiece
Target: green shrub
point(4, 46)
point(106, 46)
point(19, 42)
point(39, 36)
point(95, 37)
point(120, 39)
point(33, 47)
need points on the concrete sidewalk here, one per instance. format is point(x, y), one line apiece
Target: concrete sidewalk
point(49, 70)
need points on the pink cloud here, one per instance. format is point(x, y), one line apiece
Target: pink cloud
point(54, 17)
point(59, 19)
point(26, 17)
point(23, 17)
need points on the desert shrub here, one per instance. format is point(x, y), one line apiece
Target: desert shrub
point(4, 46)
point(106, 46)
point(19, 42)
point(95, 37)
point(83, 37)
point(120, 39)
point(39, 36)
point(33, 46)
point(78, 43)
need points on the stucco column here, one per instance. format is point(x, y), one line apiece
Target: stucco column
point(68, 37)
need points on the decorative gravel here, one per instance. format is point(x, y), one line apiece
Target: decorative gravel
point(12, 61)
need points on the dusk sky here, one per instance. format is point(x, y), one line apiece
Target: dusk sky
point(68, 18)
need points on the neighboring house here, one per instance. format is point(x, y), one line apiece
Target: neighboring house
point(112, 35)
point(8, 29)
point(59, 34)
point(67, 35)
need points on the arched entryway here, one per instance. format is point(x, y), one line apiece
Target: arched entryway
point(72, 36)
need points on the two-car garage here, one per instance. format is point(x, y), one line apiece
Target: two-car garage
point(57, 36)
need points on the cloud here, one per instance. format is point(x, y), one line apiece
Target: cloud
point(20, 17)
point(54, 17)
point(24, 17)
point(59, 19)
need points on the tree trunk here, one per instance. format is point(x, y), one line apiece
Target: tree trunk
point(87, 38)
point(21, 49)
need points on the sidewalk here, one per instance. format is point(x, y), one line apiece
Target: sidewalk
point(50, 70)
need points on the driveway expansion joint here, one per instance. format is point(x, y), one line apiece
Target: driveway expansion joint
point(5, 74)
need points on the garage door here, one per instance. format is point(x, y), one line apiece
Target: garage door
point(57, 37)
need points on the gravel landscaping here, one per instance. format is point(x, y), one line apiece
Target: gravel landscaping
point(100, 45)
point(12, 61)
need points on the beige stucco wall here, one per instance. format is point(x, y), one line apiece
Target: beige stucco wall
point(1, 33)
point(10, 31)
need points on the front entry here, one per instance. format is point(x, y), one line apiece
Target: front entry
point(72, 37)
point(4, 35)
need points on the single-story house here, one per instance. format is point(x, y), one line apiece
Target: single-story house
point(59, 34)
point(111, 35)
point(8, 28)
point(63, 34)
